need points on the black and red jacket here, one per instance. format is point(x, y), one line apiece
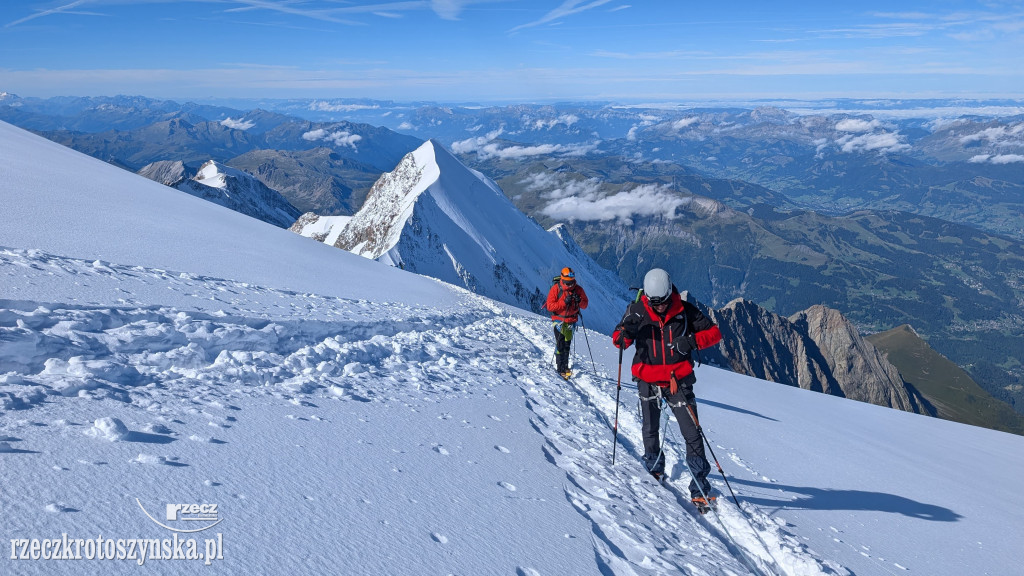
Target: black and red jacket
point(663, 345)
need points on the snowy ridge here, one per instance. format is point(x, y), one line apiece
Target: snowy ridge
point(240, 192)
point(226, 186)
point(434, 216)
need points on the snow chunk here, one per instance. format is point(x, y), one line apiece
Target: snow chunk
point(110, 429)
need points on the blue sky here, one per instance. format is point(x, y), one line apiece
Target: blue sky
point(511, 51)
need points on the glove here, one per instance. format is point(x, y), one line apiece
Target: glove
point(573, 299)
point(687, 344)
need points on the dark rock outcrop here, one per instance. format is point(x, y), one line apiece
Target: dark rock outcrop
point(817, 349)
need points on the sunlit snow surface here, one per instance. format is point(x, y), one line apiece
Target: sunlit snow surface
point(350, 418)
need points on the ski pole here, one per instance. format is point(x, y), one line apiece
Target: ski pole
point(693, 416)
point(583, 325)
point(615, 428)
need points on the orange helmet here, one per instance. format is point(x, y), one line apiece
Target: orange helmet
point(568, 274)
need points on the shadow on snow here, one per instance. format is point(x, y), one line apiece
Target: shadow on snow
point(809, 498)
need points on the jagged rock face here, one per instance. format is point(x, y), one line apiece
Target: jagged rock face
point(764, 345)
point(166, 172)
point(389, 205)
point(817, 349)
point(861, 370)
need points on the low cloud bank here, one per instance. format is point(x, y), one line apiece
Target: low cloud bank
point(339, 138)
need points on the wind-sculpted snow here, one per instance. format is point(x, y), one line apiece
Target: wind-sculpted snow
point(171, 365)
point(150, 377)
point(120, 351)
point(141, 353)
point(432, 424)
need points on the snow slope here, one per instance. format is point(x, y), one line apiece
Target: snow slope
point(436, 217)
point(350, 418)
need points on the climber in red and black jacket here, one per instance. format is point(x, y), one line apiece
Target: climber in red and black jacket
point(665, 330)
point(565, 300)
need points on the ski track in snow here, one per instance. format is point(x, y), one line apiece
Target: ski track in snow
point(166, 361)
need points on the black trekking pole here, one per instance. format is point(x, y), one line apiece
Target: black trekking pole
point(693, 416)
point(583, 325)
point(615, 428)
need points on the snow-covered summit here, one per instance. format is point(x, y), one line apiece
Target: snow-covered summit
point(216, 175)
point(229, 187)
point(437, 217)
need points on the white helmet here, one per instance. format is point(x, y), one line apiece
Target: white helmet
point(657, 286)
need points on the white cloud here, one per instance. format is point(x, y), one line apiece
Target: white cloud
point(995, 134)
point(448, 9)
point(881, 142)
point(485, 148)
point(631, 135)
point(644, 200)
point(323, 106)
point(540, 181)
point(237, 124)
point(998, 159)
point(340, 138)
point(1007, 159)
point(942, 123)
point(819, 147)
point(857, 125)
point(588, 188)
point(568, 8)
point(41, 13)
point(683, 123)
point(567, 119)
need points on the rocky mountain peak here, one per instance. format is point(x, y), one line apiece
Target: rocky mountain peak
point(817, 349)
point(859, 368)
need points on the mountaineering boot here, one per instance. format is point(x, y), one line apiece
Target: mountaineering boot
point(565, 374)
point(655, 465)
point(703, 505)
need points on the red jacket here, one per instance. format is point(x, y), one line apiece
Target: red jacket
point(663, 345)
point(558, 302)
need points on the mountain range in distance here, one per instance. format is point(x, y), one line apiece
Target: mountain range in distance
point(760, 199)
